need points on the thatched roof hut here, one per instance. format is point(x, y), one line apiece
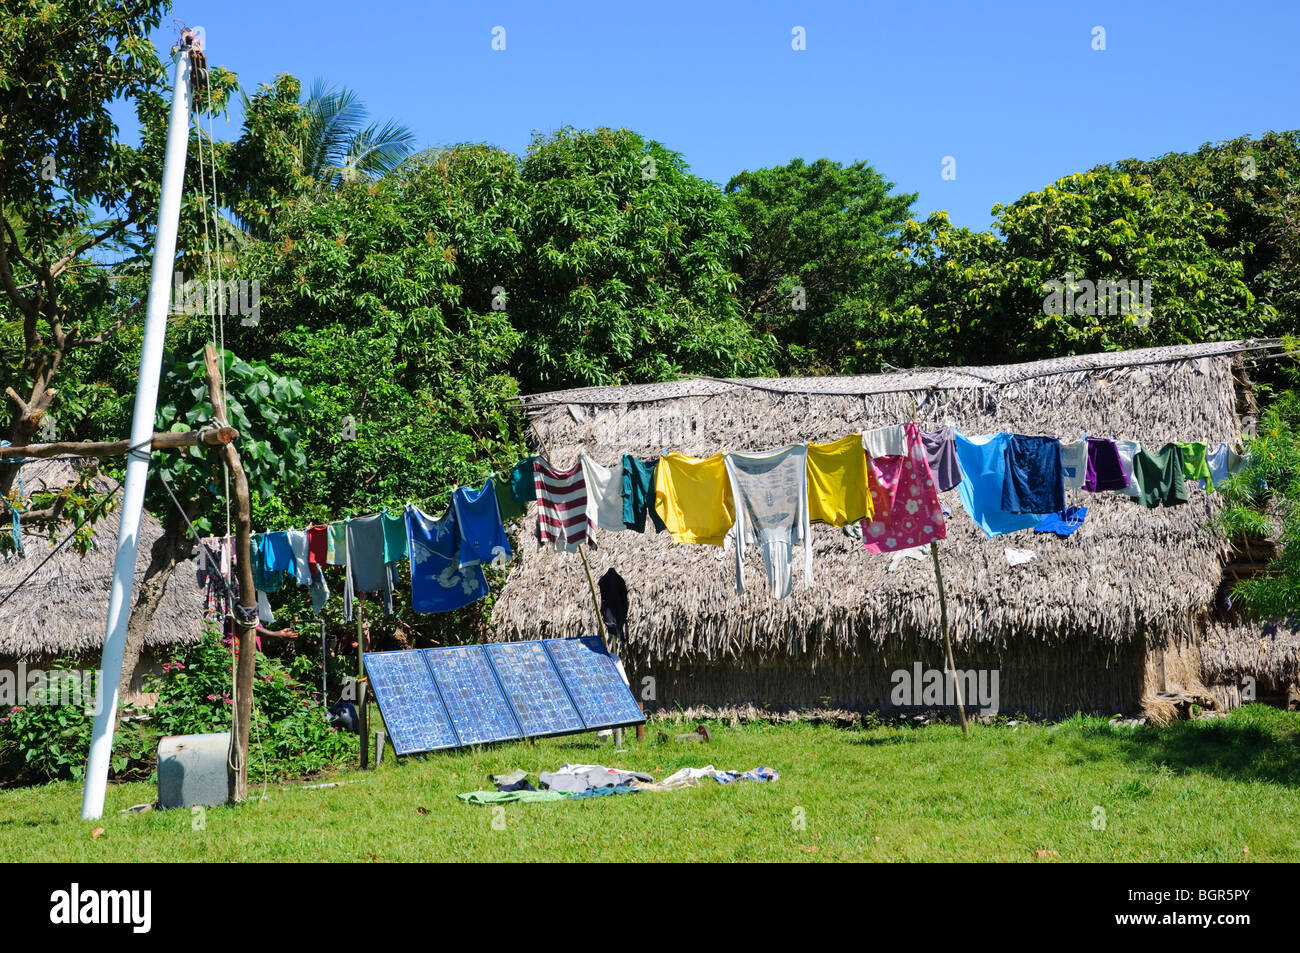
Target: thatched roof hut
point(61, 610)
point(1097, 621)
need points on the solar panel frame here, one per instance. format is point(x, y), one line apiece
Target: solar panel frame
point(471, 730)
point(405, 740)
point(587, 670)
point(504, 656)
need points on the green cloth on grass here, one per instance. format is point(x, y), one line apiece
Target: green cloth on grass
point(1159, 476)
point(503, 797)
point(1196, 465)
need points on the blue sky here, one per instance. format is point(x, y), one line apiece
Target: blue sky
point(1013, 91)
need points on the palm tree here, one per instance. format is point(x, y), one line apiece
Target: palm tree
point(335, 146)
point(293, 150)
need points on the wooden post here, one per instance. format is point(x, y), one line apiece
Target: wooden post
point(363, 696)
point(246, 613)
point(947, 640)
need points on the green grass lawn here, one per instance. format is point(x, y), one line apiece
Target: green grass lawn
point(1222, 790)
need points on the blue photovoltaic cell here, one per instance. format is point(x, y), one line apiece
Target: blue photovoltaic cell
point(470, 691)
point(533, 688)
point(413, 714)
point(598, 691)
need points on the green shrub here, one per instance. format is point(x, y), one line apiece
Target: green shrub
point(290, 736)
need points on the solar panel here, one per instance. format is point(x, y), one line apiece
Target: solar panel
point(408, 699)
point(533, 688)
point(597, 689)
point(469, 689)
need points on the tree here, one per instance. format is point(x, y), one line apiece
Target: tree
point(1051, 284)
point(1253, 182)
point(61, 68)
point(1264, 501)
point(816, 231)
point(291, 150)
point(626, 268)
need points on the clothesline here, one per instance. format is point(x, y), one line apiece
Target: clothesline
point(880, 485)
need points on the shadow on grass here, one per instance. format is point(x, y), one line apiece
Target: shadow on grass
point(1254, 743)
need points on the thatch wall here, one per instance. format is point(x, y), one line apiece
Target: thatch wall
point(62, 609)
point(1237, 650)
point(1067, 621)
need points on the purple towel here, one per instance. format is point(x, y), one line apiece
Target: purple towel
point(1104, 469)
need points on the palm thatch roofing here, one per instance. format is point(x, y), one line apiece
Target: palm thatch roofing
point(62, 609)
point(1130, 576)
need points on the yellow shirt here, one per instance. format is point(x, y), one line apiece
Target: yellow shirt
point(693, 498)
point(838, 493)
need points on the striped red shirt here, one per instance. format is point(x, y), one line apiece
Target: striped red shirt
point(561, 505)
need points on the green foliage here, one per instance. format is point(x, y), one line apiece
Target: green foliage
point(291, 150)
point(290, 736)
point(626, 272)
point(1264, 501)
point(816, 234)
point(266, 408)
point(41, 740)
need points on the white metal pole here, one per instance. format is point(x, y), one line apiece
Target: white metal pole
point(142, 426)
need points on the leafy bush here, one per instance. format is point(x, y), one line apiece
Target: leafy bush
point(49, 742)
point(290, 735)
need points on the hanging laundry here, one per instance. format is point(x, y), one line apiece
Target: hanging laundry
point(438, 584)
point(1159, 476)
point(366, 569)
point(604, 494)
point(1128, 449)
point(1222, 463)
point(1034, 483)
point(214, 578)
point(770, 500)
point(885, 441)
point(693, 497)
point(507, 503)
point(482, 536)
point(561, 505)
point(523, 481)
point(905, 501)
point(264, 613)
point(320, 590)
point(614, 604)
point(259, 552)
point(395, 550)
point(983, 462)
point(941, 454)
point(301, 566)
point(1063, 523)
point(1105, 470)
point(337, 552)
point(838, 491)
point(1074, 463)
point(318, 538)
point(1196, 466)
point(639, 494)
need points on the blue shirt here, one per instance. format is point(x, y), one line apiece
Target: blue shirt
point(983, 466)
point(482, 536)
point(438, 584)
